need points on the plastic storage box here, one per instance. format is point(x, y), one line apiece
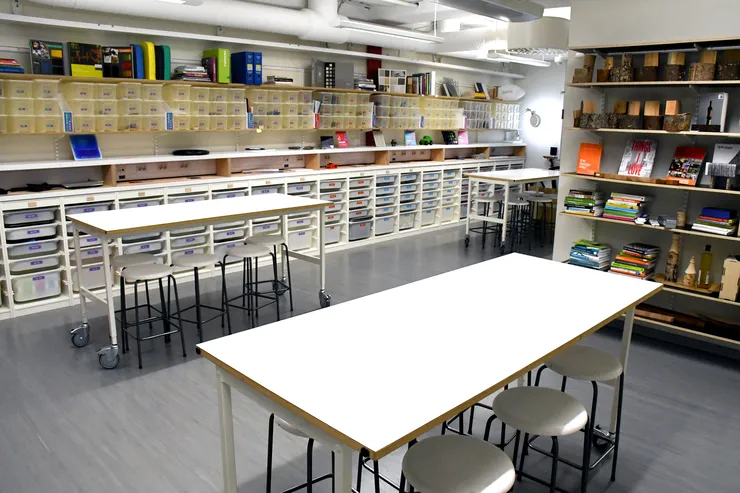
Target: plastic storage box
point(177, 92)
point(332, 218)
point(332, 234)
point(330, 185)
point(134, 204)
point(229, 234)
point(31, 233)
point(408, 188)
point(359, 214)
point(360, 183)
point(300, 240)
point(427, 217)
point(408, 198)
point(431, 176)
point(430, 204)
point(301, 223)
point(430, 186)
point(230, 194)
point(183, 199)
point(37, 286)
point(29, 216)
point(407, 207)
point(148, 247)
point(406, 221)
point(385, 211)
point(360, 229)
point(384, 226)
point(189, 251)
point(129, 90)
point(359, 194)
point(18, 89)
point(386, 180)
point(93, 276)
point(152, 92)
point(188, 241)
point(265, 228)
point(223, 248)
point(359, 204)
point(85, 241)
point(448, 214)
point(34, 264)
point(299, 189)
point(333, 197)
point(429, 195)
point(32, 249)
point(385, 201)
point(47, 88)
point(381, 192)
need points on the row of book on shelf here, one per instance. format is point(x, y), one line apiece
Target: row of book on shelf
point(634, 260)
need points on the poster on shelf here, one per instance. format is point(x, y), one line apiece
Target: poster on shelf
point(638, 158)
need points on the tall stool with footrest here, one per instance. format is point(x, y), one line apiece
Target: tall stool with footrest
point(274, 241)
point(250, 295)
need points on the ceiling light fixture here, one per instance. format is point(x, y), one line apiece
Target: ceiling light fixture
point(369, 28)
point(190, 3)
point(178, 2)
point(401, 3)
point(504, 57)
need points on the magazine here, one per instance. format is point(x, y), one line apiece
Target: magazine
point(638, 158)
point(686, 165)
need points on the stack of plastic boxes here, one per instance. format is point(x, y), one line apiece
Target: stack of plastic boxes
point(478, 115)
point(507, 116)
point(342, 111)
point(441, 114)
point(28, 107)
point(281, 109)
point(397, 112)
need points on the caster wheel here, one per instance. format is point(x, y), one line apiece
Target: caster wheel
point(109, 360)
point(467, 241)
point(80, 338)
point(324, 299)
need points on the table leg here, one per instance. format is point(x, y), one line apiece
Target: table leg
point(108, 356)
point(343, 469)
point(324, 298)
point(629, 320)
point(506, 217)
point(226, 428)
point(81, 333)
point(471, 187)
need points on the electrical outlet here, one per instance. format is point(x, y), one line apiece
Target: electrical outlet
point(141, 167)
point(183, 165)
point(162, 166)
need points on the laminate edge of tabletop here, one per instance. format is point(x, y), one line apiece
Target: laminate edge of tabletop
point(379, 454)
point(88, 228)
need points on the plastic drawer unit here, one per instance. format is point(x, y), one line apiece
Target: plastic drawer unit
point(334, 208)
point(300, 223)
point(34, 264)
point(93, 276)
point(89, 255)
point(450, 183)
point(448, 201)
point(148, 247)
point(332, 234)
point(265, 228)
point(229, 234)
point(84, 209)
point(382, 192)
point(406, 221)
point(359, 204)
point(300, 240)
point(431, 176)
point(37, 286)
point(299, 189)
point(430, 186)
point(409, 177)
point(359, 194)
point(385, 211)
point(265, 190)
point(360, 228)
point(427, 217)
point(332, 218)
point(85, 241)
point(448, 192)
point(408, 207)
point(408, 198)
point(429, 195)
point(31, 233)
point(448, 214)
point(188, 241)
point(385, 180)
point(359, 214)
point(230, 194)
point(360, 183)
point(409, 188)
point(29, 217)
point(385, 225)
point(333, 197)
point(385, 201)
point(185, 199)
point(330, 185)
point(149, 235)
point(450, 173)
point(223, 248)
point(430, 204)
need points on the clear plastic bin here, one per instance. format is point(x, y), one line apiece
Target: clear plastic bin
point(36, 287)
point(237, 122)
point(430, 204)
point(180, 122)
point(18, 89)
point(201, 94)
point(304, 97)
point(82, 108)
point(305, 109)
point(429, 195)
point(219, 108)
point(352, 99)
point(260, 122)
point(148, 247)
point(3, 106)
point(350, 123)
point(259, 108)
point(330, 185)
point(380, 192)
point(332, 234)
point(408, 188)
point(32, 249)
point(257, 95)
point(20, 107)
point(28, 217)
point(290, 109)
point(300, 240)
point(406, 221)
point(49, 124)
point(45, 89)
point(177, 92)
point(275, 96)
point(385, 201)
point(235, 95)
point(155, 123)
point(188, 241)
point(21, 124)
point(306, 122)
point(381, 99)
point(448, 192)
point(385, 225)
point(31, 233)
point(107, 92)
point(448, 201)
point(218, 95)
point(358, 194)
point(237, 109)
point(360, 229)
point(182, 107)
point(129, 90)
point(273, 122)
point(383, 111)
point(385, 211)
point(410, 197)
point(360, 183)
point(152, 92)
point(219, 122)
point(130, 107)
point(383, 122)
point(290, 96)
point(152, 108)
point(34, 264)
point(106, 107)
point(45, 107)
point(200, 108)
point(358, 204)
point(3, 124)
point(428, 217)
point(200, 122)
point(129, 123)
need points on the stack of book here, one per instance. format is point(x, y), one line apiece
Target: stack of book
point(585, 202)
point(274, 80)
point(10, 66)
point(592, 255)
point(624, 207)
point(192, 73)
point(636, 260)
point(423, 84)
point(364, 84)
point(718, 221)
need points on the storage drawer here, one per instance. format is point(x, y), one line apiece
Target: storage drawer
point(385, 201)
point(299, 189)
point(384, 226)
point(229, 234)
point(431, 176)
point(228, 194)
point(189, 241)
point(360, 229)
point(148, 247)
point(333, 208)
point(198, 229)
point(330, 185)
point(265, 228)
point(85, 241)
point(381, 192)
point(333, 218)
point(385, 180)
point(28, 217)
point(429, 195)
point(360, 183)
point(300, 223)
point(448, 192)
point(409, 188)
point(149, 235)
point(430, 204)
point(359, 214)
point(333, 197)
point(190, 251)
point(223, 248)
point(84, 209)
point(408, 198)
point(31, 233)
point(263, 191)
point(408, 207)
point(427, 217)
point(91, 255)
point(448, 201)
point(93, 277)
point(183, 199)
point(409, 177)
point(359, 204)
point(34, 264)
point(133, 204)
point(36, 287)
point(229, 225)
point(300, 240)
point(332, 234)
point(448, 214)
point(385, 211)
point(359, 194)
point(406, 221)
point(450, 183)
point(450, 173)
point(430, 186)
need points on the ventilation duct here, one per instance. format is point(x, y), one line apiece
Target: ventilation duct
point(505, 10)
point(546, 37)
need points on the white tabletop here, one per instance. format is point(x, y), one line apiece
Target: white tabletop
point(399, 340)
point(163, 217)
point(518, 175)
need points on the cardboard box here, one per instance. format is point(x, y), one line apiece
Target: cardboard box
point(730, 286)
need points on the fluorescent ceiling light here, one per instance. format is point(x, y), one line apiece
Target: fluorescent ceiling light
point(178, 2)
point(401, 3)
point(503, 57)
point(367, 27)
point(193, 3)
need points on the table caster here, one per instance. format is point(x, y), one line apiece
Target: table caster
point(108, 357)
point(80, 335)
point(467, 241)
point(324, 299)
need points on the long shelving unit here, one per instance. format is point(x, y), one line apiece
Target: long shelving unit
point(716, 135)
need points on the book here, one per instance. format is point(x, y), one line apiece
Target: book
point(257, 68)
point(242, 67)
point(47, 57)
point(711, 112)
point(638, 158)
point(714, 212)
point(686, 165)
point(717, 220)
point(589, 159)
point(85, 60)
point(409, 138)
point(150, 60)
point(462, 137)
point(164, 57)
point(138, 61)
point(342, 140)
point(223, 64)
point(118, 62)
point(625, 196)
point(210, 65)
point(713, 229)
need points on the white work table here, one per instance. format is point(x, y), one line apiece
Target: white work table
point(412, 384)
point(506, 179)
point(113, 224)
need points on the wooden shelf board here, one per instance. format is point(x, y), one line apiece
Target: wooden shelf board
point(249, 130)
point(719, 135)
point(657, 228)
point(680, 83)
point(683, 45)
point(653, 185)
point(678, 328)
point(699, 296)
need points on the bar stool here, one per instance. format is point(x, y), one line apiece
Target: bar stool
point(590, 365)
point(197, 262)
point(310, 480)
point(120, 262)
point(519, 225)
point(144, 273)
point(250, 280)
point(457, 464)
point(542, 210)
point(273, 241)
point(489, 200)
point(542, 412)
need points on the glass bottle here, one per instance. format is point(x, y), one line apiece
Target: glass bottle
point(705, 268)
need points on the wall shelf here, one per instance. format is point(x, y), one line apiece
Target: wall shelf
point(678, 83)
point(718, 135)
point(692, 333)
point(700, 296)
point(652, 185)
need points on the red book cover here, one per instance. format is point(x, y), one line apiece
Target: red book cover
point(686, 165)
point(638, 158)
point(342, 140)
point(210, 65)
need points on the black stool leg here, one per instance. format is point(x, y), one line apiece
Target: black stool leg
point(256, 274)
point(250, 301)
point(198, 316)
point(485, 224)
point(555, 460)
point(470, 422)
point(275, 273)
point(617, 436)
point(245, 280)
point(309, 466)
point(225, 296)
point(270, 432)
point(376, 473)
point(525, 447)
point(124, 318)
point(149, 307)
point(136, 318)
point(361, 456)
point(177, 306)
point(290, 281)
point(586, 466)
point(333, 474)
point(562, 385)
point(516, 447)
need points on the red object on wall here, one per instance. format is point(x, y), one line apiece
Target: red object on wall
point(374, 65)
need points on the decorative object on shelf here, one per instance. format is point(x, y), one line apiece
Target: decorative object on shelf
point(85, 147)
point(674, 120)
point(711, 290)
point(327, 142)
point(638, 158)
point(585, 74)
point(671, 265)
point(85, 60)
point(722, 175)
point(705, 268)
point(511, 92)
point(689, 276)
point(449, 137)
point(648, 73)
point(705, 68)
point(676, 68)
point(730, 287)
point(342, 140)
point(681, 219)
point(589, 118)
point(729, 68)
point(409, 138)
point(631, 121)
point(612, 120)
point(394, 143)
point(589, 159)
point(449, 87)
point(623, 73)
point(577, 114)
point(711, 112)
point(717, 221)
point(426, 141)
point(462, 137)
point(653, 120)
point(604, 74)
point(686, 165)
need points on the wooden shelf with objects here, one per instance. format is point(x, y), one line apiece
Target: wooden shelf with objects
point(677, 75)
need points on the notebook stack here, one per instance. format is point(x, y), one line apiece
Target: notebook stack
point(636, 260)
point(592, 255)
point(624, 207)
point(717, 221)
point(585, 202)
point(10, 66)
point(192, 73)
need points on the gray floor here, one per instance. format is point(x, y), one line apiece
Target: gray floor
point(68, 426)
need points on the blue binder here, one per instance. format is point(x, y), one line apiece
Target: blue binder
point(242, 67)
point(257, 68)
point(138, 62)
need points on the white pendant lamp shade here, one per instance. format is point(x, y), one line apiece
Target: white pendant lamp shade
point(547, 37)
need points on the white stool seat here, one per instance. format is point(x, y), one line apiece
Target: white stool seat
point(248, 251)
point(266, 240)
point(458, 464)
point(540, 411)
point(146, 272)
point(196, 260)
point(289, 428)
point(585, 363)
point(124, 261)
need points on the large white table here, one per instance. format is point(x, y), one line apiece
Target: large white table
point(507, 179)
point(113, 224)
point(304, 369)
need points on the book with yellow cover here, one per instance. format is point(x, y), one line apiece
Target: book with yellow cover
point(150, 60)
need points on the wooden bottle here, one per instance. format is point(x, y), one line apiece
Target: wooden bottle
point(671, 265)
point(689, 277)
